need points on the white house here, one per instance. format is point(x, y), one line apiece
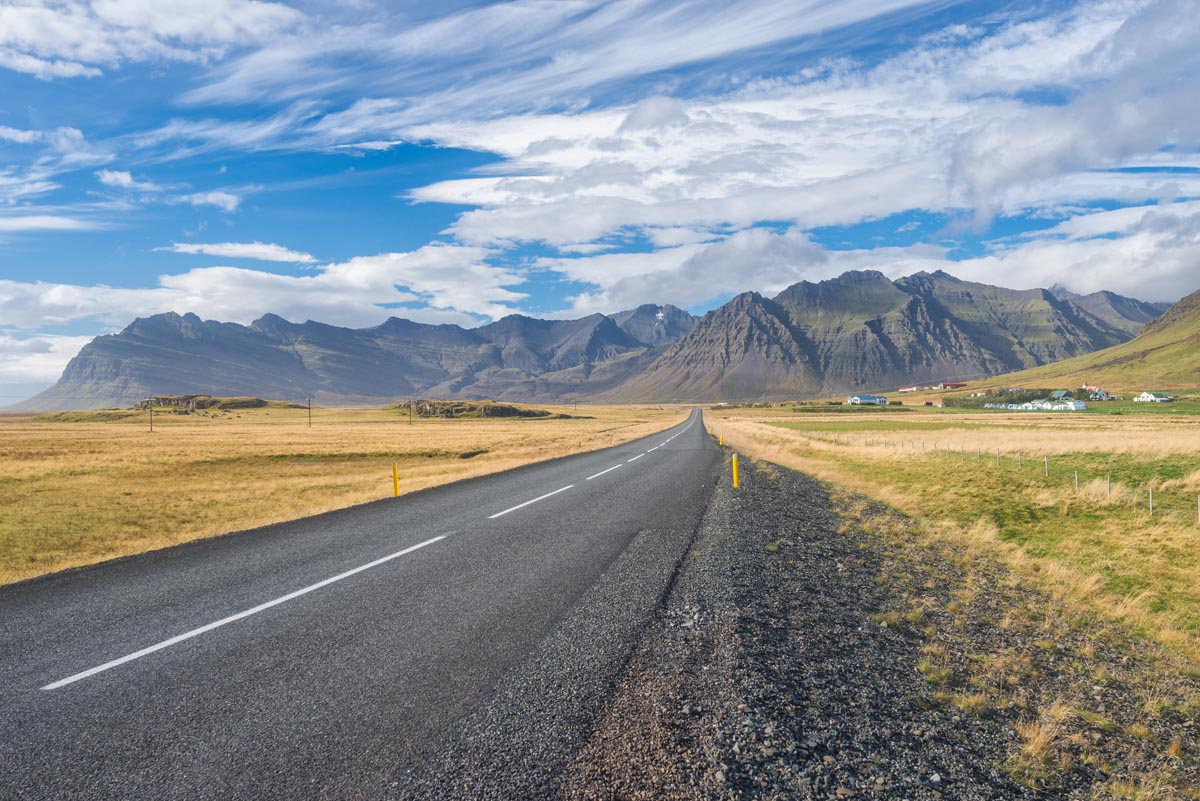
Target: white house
point(867, 400)
point(1154, 397)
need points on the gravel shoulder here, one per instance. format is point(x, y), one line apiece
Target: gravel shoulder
point(813, 645)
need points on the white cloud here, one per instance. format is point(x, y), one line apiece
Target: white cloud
point(435, 283)
point(44, 222)
point(69, 38)
point(261, 251)
point(38, 359)
point(124, 180)
point(225, 201)
point(18, 135)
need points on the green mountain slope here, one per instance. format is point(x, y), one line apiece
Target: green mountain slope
point(1165, 356)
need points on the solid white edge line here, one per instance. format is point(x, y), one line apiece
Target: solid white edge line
point(602, 472)
point(634, 459)
point(535, 500)
point(232, 618)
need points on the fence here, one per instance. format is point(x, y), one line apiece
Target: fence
point(1144, 496)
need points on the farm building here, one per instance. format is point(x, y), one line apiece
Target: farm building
point(867, 400)
point(1154, 397)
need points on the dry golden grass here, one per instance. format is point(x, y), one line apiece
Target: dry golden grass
point(76, 493)
point(1092, 551)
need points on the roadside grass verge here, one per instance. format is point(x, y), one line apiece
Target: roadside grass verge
point(1107, 555)
point(1094, 602)
point(74, 493)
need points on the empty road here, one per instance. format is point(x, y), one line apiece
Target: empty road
point(454, 638)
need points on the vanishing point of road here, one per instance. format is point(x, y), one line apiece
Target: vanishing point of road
point(363, 653)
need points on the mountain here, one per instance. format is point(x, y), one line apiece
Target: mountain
point(745, 349)
point(1164, 356)
point(516, 358)
point(655, 325)
point(859, 330)
point(1127, 314)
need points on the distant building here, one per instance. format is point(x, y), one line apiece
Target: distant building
point(910, 389)
point(867, 400)
point(951, 384)
point(1154, 397)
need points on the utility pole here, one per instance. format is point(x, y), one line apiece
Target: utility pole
point(151, 408)
point(410, 410)
point(310, 411)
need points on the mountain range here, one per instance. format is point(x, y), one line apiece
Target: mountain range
point(1165, 355)
point(860, 330)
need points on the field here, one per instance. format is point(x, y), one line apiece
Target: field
point(1072, 613)
point(980, 480)
point(83, 487)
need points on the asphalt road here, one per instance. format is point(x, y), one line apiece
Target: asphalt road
point(454, 642)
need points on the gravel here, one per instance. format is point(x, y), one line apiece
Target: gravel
point(768, 675)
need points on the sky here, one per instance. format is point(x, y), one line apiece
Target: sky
point(456, 162)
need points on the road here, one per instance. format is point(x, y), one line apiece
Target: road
point(458, 637)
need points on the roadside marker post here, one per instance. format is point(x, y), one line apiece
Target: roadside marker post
point(1077, 481)
point(721, 440)
point(736, 483)
point(1047, 467)
point(1152, 501)
point(395, 480)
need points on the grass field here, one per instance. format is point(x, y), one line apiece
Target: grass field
point(980, 481)
point(1072, 613)
point(83, 487)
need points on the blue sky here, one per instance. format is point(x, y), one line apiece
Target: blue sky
point(459, 161)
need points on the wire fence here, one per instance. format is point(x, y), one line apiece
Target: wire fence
point(1155, 496)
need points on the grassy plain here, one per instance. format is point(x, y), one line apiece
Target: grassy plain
point(90, 487)
point(979, 480)
point(1073, 614)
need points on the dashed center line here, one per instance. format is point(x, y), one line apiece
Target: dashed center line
point(535, 500)
point(634, 459)
point(232, 618)
point(602, 472)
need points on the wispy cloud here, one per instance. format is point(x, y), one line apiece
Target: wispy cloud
point(44, 222)
point(123, 180)
point(259, 251)
point(225, 201)
point(74, 39)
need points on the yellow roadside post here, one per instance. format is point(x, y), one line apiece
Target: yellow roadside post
point(735, 472)
point(720, 439)
point(395, 480)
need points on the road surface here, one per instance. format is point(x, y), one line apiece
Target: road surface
point(386, 650)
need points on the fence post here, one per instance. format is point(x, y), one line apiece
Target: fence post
point(1047, 467)
point(1077, 481)
point(1152, 501)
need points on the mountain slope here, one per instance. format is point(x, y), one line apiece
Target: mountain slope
point(1165, 356)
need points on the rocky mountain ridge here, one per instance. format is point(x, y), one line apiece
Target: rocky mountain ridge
point(857, 331)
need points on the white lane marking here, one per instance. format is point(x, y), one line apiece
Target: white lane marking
point(652, 450)
point(232, 618)
point(535, 500)
point(602, 472)
point(634, 459)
